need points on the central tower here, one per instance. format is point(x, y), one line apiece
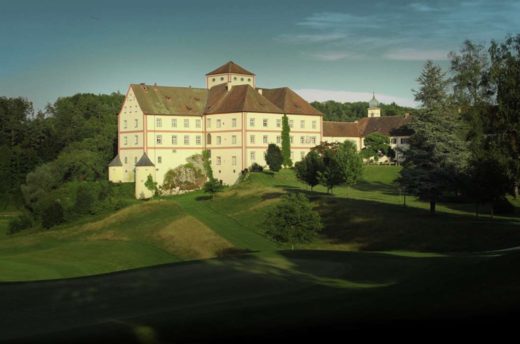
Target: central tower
point(231, 74)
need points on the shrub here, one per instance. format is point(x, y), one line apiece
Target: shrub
point(273, 157)
point(256, 168)
point(52, 215)
point(85, 198)
point(19, 223)
point(292, 220)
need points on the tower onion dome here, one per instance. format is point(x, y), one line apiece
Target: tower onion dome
point(373, 103)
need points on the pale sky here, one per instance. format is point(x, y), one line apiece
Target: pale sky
point(341, 50)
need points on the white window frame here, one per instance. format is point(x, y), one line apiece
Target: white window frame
point(186, 123)
point(187, 140)
point(174, 123)
point(252, 139)
point(198, 140)
point(158, 122)
point(234, 139)
point(174, 139)
point(234, 122)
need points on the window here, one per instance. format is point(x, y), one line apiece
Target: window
point(136, 123)
point(174, 123)
point(208, 139)
point(248, 79)
point(234, 78)
point(313, 140)
point(278, 123)
point(186, 139)
point(265, 123)
point(219, 123)
point(158, 139)
point(302, 139)
point(404, 141)
point(219, 140)
point(221, 78)
point(252, 139)
point(174, 139)
point(302, 124)
point(186, 123)
point(302, 155)
point(265, 139)
point(234, 139)
point(197, 140)
point(278, 139)
point(126, 160)
point(158, 122)
point(313, 124)
point(136, 139)
point(213, 79)
point(292, 139)
point(291, 123)
point(125, 140)
point(253, 156)
point(233, 160)
point(251, 122)
point(197, 123)
point(219, 160)
point(159, 160)
point(393, 140)
point(234, 122)
point(241, 79)
point(125, 124)
point(209, 122)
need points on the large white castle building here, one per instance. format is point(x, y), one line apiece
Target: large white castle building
point(159, 127)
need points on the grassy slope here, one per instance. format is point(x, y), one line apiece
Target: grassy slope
point(369, 216)
point(265, 292)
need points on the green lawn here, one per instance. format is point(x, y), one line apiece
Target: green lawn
point(367, 217)
point(376, 261)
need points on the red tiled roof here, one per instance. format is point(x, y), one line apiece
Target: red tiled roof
point(290, 102)
point(340, 129)
point(241, 98)
point(230, 67)
point(387, 125)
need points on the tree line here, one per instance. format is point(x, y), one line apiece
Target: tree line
point(57, 158)
point(352, 111)
point(466, 141)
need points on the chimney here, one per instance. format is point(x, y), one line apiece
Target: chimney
point(260, 91)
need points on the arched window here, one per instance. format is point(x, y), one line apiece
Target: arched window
point(208, 139)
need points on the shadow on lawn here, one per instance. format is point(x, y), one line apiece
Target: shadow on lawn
point(385, 188)
point(257, 297)
point(380, 226)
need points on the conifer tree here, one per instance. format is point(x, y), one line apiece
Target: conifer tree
point(286, 142)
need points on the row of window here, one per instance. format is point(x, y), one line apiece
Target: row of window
point(265, 123)
point(219, 123)
point(265, 139)
point(198, 139)
point(395, 140)
point(234, 78)
point(125, 123)
point(186, 122)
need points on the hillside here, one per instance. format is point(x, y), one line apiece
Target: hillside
point(368, 217)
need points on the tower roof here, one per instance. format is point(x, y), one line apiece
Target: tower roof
point(144, 161)
point(115, 162)
point(230, 67)
point(373, 103)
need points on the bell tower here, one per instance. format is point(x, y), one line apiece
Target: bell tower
point(373, 107)
point(232, 74)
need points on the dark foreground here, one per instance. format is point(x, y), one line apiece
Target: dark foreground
point(301, 295)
